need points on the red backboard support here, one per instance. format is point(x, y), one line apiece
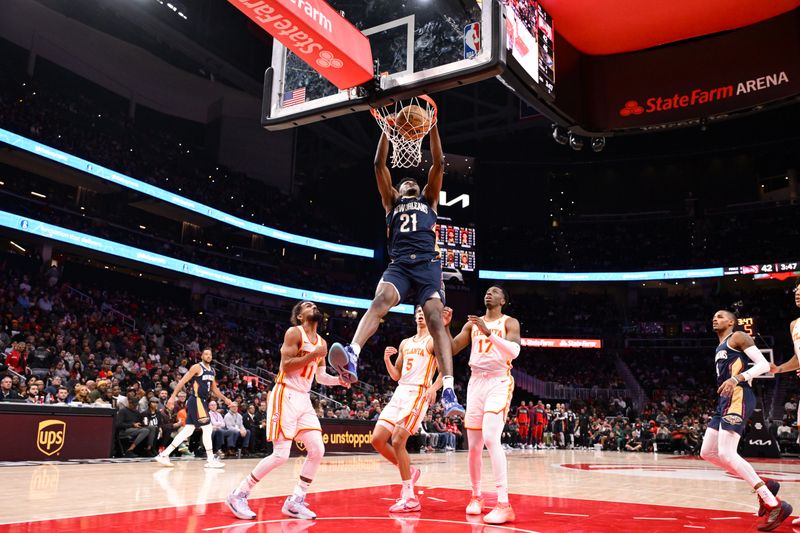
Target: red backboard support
point(318, 35)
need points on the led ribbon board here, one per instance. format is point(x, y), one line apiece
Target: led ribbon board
point(103, 173)
point(603, 276)
point(83, 240)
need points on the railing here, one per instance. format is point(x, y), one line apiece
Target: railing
point(127, 320)
point(637, 394)
point(553, 390)
point(82, 296)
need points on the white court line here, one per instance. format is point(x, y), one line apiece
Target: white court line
point(652, 518)
point(436, 499)
point(566, 514)
point(414, 520)
point(728, 518)
point(388, 499)
point(695, 527)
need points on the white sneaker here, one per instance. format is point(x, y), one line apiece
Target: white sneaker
point(238, 506)
point(163, 460)
point(214, 463)
point(297, 508)
point(475, 506)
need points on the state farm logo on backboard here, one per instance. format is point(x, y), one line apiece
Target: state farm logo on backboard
point(702, 96)
point(327, 59)
point(317, 34)
point(51, 436)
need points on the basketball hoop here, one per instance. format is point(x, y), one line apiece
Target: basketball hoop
point(405, 135)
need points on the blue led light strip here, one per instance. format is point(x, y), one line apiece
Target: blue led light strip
point(603, 276)
point(103, 173)
point(83, 240)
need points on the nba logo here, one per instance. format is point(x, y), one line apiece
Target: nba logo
point(472, 40)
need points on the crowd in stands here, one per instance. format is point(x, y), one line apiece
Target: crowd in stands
point(69, 342)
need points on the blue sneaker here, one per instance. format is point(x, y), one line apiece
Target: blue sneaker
point(343, 360)
point(451, 405)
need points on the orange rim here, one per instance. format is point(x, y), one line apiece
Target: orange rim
point(389, 118)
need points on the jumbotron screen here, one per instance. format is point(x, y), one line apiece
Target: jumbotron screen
point(529, 36)
point(457, 245)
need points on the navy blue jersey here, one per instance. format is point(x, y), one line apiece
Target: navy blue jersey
point(729, 362)
point(201, 385)
point(410, 225)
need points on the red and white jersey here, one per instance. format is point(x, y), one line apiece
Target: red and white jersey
point(418, 363)
point(484, 357)
point(303, 378)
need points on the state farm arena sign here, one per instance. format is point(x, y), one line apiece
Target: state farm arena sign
point(683, 83)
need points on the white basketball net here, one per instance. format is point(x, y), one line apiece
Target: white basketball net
point(406, 142)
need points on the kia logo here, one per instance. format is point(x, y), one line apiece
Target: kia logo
point(327, 59)
point(632, 107)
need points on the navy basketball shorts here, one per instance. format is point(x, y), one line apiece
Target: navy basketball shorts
point(197, 411)
point(734, 411)
point(423, 277)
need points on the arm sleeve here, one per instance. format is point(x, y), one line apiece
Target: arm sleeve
point(509, 350)
point(761, 365)
point(323, 378)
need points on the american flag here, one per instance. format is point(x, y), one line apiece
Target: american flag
point(297, 96)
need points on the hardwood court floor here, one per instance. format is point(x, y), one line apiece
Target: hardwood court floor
point(559, 491)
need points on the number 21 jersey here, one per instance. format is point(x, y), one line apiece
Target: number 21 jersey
point(410, 225)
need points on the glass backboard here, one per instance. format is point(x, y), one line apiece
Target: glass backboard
point(417, 46)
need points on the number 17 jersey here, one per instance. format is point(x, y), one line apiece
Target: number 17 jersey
point(410, 225)
point(484, 356)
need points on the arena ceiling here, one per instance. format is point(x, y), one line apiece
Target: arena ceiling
point(617, 26)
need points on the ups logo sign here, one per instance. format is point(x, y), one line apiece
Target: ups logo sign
point(50, 437)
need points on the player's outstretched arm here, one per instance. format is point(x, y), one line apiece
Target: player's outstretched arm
point(292, 341)
point(383, 176)
point(794, 362)
point(436, 172)
point(461, 340)
point(511, 345)
point(394, 369)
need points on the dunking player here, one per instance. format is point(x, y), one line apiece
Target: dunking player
point(736, 404)
point(290, 415)
point(413, 370)
point(415, 264)
point(495, 341)
point(203, 385)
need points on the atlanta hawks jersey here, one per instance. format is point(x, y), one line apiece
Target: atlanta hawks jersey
point(484, 356)
point(303, 378)
point(418, 363)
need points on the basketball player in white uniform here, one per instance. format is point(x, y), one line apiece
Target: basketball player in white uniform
point(495, 339)
point(413, 370)
point(788, 366)
point(290, 414)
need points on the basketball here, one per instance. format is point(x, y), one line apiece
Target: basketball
point(413, 122)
